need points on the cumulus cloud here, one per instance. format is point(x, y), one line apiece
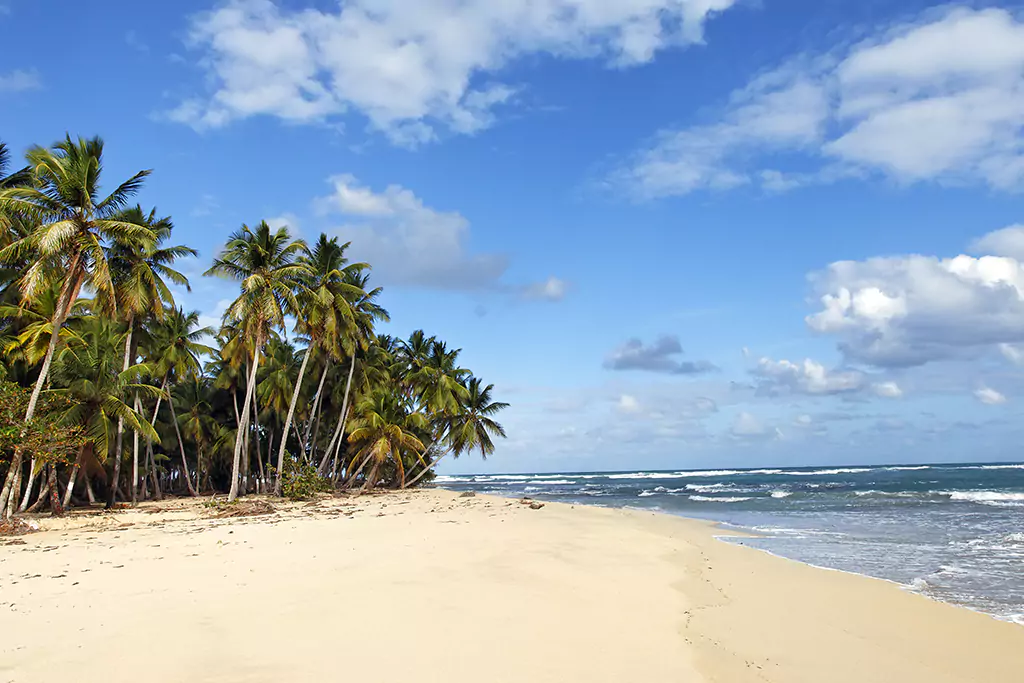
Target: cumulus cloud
point(909, 310)
point(661, 356)
point(1006, 242)
point(806, 377)
point(19, 81)
point(412, 67)
point(989, 396)
point(746, 426)
point(411, 244)
point(901, 104)
point(407, 242)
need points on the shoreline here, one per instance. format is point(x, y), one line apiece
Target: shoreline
point(564, 593)
point(737, 531)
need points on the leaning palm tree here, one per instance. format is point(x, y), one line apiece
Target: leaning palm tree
point(140, 270)
point(268, 265)
point(472, 426)
point(385, 429)
point(70, 222)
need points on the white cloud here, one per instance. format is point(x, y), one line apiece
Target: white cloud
point(407, 242)
point(746, 426)
point(781, 110)
point(903, 104)
point(887, 390)
point(412, 67)
point(908, 310)
point(807, 377)
point(1012, 353)
point(411, 244)
point(552, 289)
point(628, 404)
point(1006, 242)
point(19, 81)
point(286, 220)
point(989, 396)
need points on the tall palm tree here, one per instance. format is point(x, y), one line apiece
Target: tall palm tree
point(70, 223)
point(472, 426)
point(140, 270)
point(326, 314)
point(176, 351)
point(268, 265)
point(366, 312)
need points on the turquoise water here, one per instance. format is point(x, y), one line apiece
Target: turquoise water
point(951, 532)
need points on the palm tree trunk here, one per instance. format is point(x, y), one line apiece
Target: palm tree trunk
point(243, 424)
point(151, 458)
point(288, 422)
point(12, 504)
point(135, 455)
point(119, 441)
point(44, 495)
point(60, 315)
point(337, 446)
point(31, 483)
point(181, 447)
point(321, 468)
point(72, 477)
point(425, 470)
point(56, 509)
point(315, 409)
point(342, 418)
point(371, 478)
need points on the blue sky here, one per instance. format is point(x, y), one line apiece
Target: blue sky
point(673, 233)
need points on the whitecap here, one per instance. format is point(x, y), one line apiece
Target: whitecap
point(721, 499)
point(984, 496)
point(781, 494)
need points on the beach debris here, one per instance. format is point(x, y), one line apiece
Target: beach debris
point(536, 506)
point(468, 494)
point(17, 527)
point(248, 508)
point(526, 501)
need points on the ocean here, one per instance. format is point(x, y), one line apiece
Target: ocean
point(951, 532)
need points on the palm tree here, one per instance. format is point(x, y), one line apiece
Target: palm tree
point(70, 222)
point(138, 270)
point(385, 429)
point(268, 266)
point(276, 391)
point(89, 369)
point(197, 422)
point(472, 426)
point(176, 350)
point(326, 315)
point(366, 312)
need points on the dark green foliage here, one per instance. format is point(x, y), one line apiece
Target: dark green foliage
point(301, 481)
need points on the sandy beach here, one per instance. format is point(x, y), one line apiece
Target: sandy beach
point(495, 591)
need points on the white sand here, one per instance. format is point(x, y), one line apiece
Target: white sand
point(429, 587)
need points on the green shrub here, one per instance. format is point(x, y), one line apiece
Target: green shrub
point(301, 480)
